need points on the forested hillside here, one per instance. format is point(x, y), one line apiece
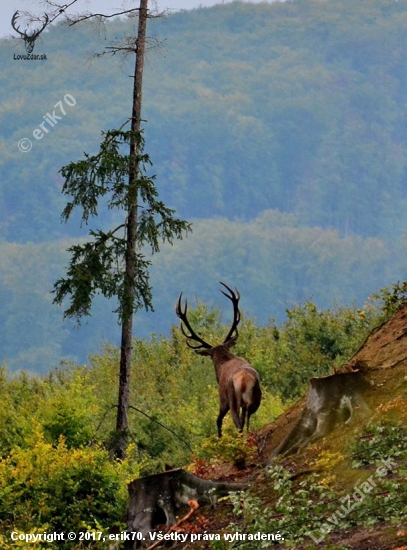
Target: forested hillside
point(279, 129)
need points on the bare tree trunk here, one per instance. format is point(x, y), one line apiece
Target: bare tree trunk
point(129, 284)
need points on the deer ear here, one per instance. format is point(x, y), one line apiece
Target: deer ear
point(206, 352)
point(231, 342)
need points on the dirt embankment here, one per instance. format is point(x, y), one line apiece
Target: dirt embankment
point(382, 360)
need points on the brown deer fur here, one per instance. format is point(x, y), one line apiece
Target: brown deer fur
point(238, 381)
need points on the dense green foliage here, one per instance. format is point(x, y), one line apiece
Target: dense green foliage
point(55, 429)
point(280, 127)
point(54, 474)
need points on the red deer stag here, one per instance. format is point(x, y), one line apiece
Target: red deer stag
point(239, 383)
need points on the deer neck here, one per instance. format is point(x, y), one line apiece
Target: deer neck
point(220, 357)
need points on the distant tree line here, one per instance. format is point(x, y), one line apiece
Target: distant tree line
point(274, 262)
point(280, 128)
point(296, 106)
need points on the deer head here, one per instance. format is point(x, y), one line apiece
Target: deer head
point(191, 335)
point(29, 40)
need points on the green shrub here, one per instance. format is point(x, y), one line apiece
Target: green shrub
point(55, 488)
point(234, 447)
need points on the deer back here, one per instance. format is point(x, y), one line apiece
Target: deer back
point(232, 369)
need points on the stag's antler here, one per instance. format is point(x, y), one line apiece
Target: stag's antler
point(234, 297)
point(182, 314)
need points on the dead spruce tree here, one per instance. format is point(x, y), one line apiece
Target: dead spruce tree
point(114, 263)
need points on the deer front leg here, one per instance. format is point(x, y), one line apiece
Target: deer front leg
point(224, 408)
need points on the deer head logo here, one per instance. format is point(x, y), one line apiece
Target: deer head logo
point(29, 39)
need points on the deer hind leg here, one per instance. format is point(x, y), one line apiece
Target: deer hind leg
point(250, 410)
point(243, 420)
point(235, 406)
point(236, 418)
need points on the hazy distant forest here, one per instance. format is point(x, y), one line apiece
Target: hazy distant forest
point(279, 130)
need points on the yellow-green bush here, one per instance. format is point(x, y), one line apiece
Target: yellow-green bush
point(57, 488)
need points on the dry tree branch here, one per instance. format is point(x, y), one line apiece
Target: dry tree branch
point(193, 506)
